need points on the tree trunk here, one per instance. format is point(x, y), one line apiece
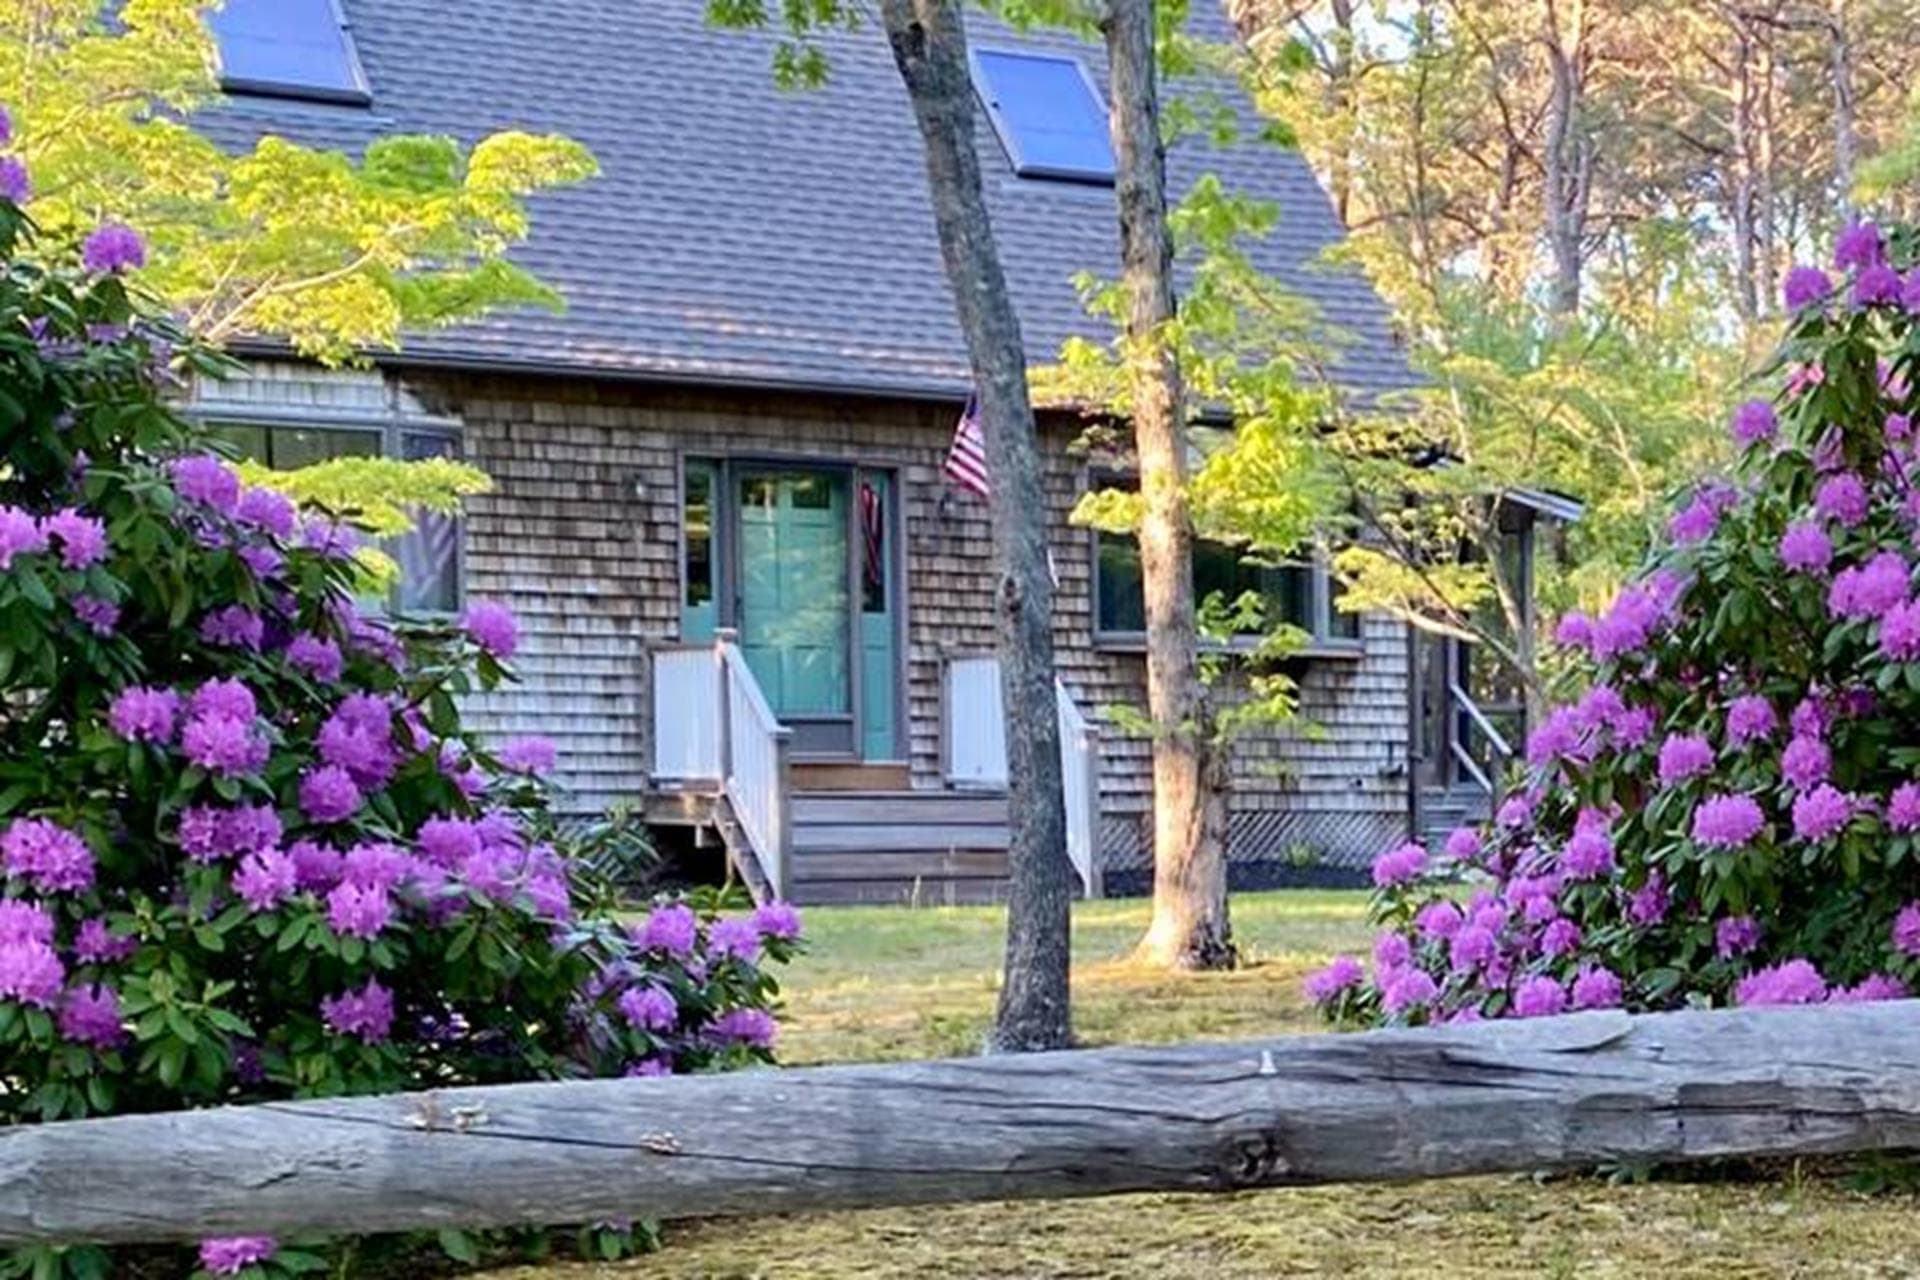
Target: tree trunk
point(1845, 136)
point(929, 45)
point(1189, 928)
point(1569, 156)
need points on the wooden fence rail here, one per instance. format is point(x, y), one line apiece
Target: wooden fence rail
point(1551, 1093)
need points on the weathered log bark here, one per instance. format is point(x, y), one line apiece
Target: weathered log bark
point(929, 45)
point(1189, 928)
point(1552, 1093)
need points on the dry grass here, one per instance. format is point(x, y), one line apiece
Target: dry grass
point(900, 984)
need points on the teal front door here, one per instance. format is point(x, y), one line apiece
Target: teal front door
point(795, 608)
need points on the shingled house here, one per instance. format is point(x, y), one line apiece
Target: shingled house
point(750, 601)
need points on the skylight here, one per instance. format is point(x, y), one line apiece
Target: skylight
point(288, 49)
point(1048, 114)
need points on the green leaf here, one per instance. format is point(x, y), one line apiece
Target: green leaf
point(459, 1246)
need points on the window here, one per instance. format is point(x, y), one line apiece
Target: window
point(429, 557)
point(1048, 115)
point(288, 49)
point(1299, 595)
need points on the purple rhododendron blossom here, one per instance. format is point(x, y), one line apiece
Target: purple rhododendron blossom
point(1750, 718)
point(532, 756)
point(1627, 625)
point(224, 746)
point(264, 880)
point(1871, 589)
point(1398, 866)
point(1876, 286)
point(1391, 951)
point(230, 1255)
point(448, 841)
point(317, 656)
point(1903, 807)
point(233, 626)
point(1842, 497)
point(1900, 632)
point(90, 1015)
point(31, 973)
point(1735, 936)
point(95, 942)
point(113, 247)
point(1574, 630)
point(267, 511)
point(778, 920)
point(1859, 245)
point(754, 1027)
point(20, 534)
point(223, 699)
point(1596, 987)
point(354, 911)
point(82, 539)
point(1588, 854)
point(1793, 982)
point(1557, 737)
point(1648, 905)
point(24, 922)
point(672, 928)
point(1471, 947)
point(1754, 422)
point(207, 480)
point(1875, 986)
point(1464, 844)
point(1805, 548)
point(1438, 920)
point(1820, 813)
point(52, 858)
point(16, 186)
point(1906, 930)
point(1408, 989)
point(1806, 763)
point(1684, 756)
point(648, 1008)
point(366, 1014)
point(1539, 997)
point(1806, 287)
point(736, 937)
point(1694, 522)
point(1633, 728)
point(1599, 707)
point(328, 794)
point(492, 627)
point(1560, 937)
point(140, 714)
point(1343, 974)
point(101, 616)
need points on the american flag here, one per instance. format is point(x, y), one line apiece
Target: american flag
point(967, 459)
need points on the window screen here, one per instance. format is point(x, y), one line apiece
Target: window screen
point(289, 48)
point(1289, 591)
point(1047, 114)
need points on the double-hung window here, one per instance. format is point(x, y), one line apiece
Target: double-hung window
point(430, 556)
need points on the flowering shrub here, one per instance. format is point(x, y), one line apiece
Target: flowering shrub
point(247, 850)
point(1729, 810)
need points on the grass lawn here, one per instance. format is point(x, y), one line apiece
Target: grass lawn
point(882, 983)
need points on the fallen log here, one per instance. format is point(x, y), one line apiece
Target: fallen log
point(1551, 1093)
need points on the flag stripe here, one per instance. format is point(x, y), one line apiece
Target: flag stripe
point(967, 459)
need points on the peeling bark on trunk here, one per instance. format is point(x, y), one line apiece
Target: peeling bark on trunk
point(1189, 929)
point(929, 46)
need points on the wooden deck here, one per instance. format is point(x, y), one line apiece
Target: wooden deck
point(930, 847)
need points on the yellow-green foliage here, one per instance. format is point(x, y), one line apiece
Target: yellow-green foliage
point(380, 493)
point(334, 255)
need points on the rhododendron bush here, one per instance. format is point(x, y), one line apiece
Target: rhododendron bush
point(1728, 810)
point(248, 850)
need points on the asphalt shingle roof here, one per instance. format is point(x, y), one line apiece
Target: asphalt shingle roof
point(743, 234)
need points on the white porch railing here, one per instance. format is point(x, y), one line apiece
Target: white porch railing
point(712, 728)
point(976, 750)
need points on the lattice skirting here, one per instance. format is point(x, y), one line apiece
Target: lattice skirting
point(1276, 838)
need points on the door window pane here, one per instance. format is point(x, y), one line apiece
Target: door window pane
point(699, 563)
point(794, 603)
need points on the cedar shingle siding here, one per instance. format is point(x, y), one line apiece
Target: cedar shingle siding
point(581, 537)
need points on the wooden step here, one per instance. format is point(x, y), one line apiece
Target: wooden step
point(901, 837)
point(814, 775)
point(898, 865)
point(893, 807)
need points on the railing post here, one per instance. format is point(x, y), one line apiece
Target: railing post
point(1090, 751)
point(782, 841)
point(723, 637)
